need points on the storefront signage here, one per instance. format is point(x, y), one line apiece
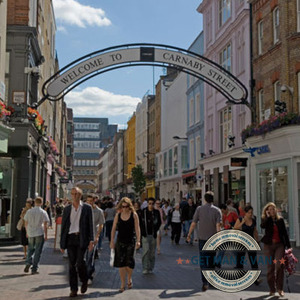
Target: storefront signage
point(239, 161)
point(19, 97)
point(144, 54)
point(258, 150)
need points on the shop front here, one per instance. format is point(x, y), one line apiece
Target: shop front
point(275, 175)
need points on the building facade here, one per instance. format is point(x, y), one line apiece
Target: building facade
point(226, 27)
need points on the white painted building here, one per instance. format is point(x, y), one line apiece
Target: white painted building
point(173, 156)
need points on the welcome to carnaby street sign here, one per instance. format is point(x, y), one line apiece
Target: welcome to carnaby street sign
point(143, 54)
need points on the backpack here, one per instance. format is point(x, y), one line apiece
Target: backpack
point(290, 262)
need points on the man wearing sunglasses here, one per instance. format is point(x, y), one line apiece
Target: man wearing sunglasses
point(150, 222)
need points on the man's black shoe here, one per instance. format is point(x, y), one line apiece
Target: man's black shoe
point(73, 294)
point(96, 255)
point(204, 287)
point(26, 269)
point(84, 287)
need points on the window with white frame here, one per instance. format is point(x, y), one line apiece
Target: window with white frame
point(198, 149)
point(32, 13)
point(165, 164)
point(225, 58)
point(224, 11)
point(198, 109)
point(210, 133)
point(225, 128)
point(191, 112)
point(261, 104)
point(276, 25)
point(298, 15)
point(170, 162)
point(209, 25)
point(277, 92)
point(260, 34)
point(192, 154)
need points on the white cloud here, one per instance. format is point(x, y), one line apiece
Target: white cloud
point(73, 13)
point(95, 102)
point(61, 29)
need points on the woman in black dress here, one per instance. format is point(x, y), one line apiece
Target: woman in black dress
point(127, 223)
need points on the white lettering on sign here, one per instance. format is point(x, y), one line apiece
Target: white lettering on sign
point(199, 66)
point(89, 66)
point(209, 71)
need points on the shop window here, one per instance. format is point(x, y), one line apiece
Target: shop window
point(273, 187)
point(6, 179)
point(238, 186)
point(165, 164)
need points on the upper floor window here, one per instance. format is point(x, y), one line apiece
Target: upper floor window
point(277, 92)
point(191, 112)
point(224, 11)
point(192, 154)
point(198, 110)
point(225, 127)
point(276, 25)
point(225, 58)
point(260, 34)
point(261, 103)
point(298, 15)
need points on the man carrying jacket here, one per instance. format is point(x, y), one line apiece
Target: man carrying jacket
point(150, 222)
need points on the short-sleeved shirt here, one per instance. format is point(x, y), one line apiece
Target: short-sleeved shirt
point(110, 214)
point(208, 216)
point(98, 219)
point(35, 217)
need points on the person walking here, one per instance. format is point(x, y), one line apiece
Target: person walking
point(176, 221)
point(150, 223)
point(109, 215)
point(159, 232)
point(36, 224)
point(209, 218)
point(128, 240)
point(275, 241)
point(98, 222)
point(188, 212)
point(47, 208)
point(24, 239)
point(77, 235)
point(248, 225)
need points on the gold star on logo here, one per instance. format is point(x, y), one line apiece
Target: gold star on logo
point(179, 261)
point(274, 261)
point(187, 261)
point(282, 261)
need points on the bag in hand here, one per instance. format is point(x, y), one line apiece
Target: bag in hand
point(20, 224)
point(112, 257)
point(290, 262)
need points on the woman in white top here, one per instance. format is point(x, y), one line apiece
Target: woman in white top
point(175, 216)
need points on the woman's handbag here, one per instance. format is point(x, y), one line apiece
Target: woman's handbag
point(112, 257)
point(290, 265)
point(20, 224)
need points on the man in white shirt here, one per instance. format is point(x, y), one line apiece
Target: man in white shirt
point(36, 220)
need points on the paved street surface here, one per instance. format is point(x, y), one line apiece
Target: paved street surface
point(169, 281)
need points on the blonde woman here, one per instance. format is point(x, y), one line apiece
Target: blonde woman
point(275, 241)
point(128, 239)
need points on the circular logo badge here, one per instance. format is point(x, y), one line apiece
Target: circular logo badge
point(230, 279)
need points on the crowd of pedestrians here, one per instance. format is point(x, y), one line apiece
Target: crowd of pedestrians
point(128, 225)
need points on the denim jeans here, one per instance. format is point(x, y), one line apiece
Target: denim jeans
point(207, 262)
point(35, 247)
point(148, 258)
point(187, 224)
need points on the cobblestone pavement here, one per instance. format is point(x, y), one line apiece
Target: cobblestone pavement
point(169, 281)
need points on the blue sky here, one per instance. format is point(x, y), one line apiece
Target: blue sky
point(84, 26)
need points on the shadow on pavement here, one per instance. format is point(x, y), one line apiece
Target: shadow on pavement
point(49, 287)
point(183, 294)
point(94, 295)
point(13, 276)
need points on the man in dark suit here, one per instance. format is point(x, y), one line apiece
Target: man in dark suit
point(76, 236)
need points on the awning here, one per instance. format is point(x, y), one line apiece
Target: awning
point(190, 174)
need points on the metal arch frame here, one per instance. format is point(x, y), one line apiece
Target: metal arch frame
point(46, 96)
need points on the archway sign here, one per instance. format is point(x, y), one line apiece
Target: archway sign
point(144, 54)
